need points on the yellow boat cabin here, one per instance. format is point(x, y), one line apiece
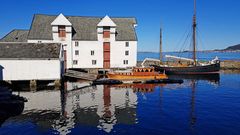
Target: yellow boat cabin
point(137, 73)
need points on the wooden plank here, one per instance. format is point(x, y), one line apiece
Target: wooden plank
point(80, 75)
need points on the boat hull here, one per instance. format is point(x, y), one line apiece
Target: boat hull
point(207, 69)
point(136, 77)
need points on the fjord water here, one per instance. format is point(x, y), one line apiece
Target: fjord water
point(201, 105)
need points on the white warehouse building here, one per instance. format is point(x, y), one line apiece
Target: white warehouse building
point(30, 61)
point(89, 42)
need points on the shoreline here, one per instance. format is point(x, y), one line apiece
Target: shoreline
point(224, 65)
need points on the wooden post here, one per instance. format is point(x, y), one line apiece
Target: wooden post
point(10, 82)
point(57, 84)
point(33, 85)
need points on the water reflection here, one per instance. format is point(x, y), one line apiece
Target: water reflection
point(211, 78)
point(10, 104)
point(104, 107)
point(193, 117)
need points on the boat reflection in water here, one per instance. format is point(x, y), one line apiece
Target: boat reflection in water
point(210, 78)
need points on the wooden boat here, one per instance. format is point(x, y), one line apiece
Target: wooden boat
point(211, 68)
point(137, 73)
point(192, 66)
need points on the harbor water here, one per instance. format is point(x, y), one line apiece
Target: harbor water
point(201, 105)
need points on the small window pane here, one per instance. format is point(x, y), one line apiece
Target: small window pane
point(94, 62)
point(127, 44)
point(76, 52)
point(76, 43)
point(126, 52)
point(125, 62)
point(92, 52)
point(75, 62)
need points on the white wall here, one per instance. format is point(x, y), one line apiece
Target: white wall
point(118, 49)
point(31, 69)
point(85, 58)
point(117, 54)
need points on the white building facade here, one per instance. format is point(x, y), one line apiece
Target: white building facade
point(28, 61)
point(89, 42)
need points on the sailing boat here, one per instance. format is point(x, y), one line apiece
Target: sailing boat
point(192, 66)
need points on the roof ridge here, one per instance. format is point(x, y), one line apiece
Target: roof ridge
point(21, 29)
point(87, 16)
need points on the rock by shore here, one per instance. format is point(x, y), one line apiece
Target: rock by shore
point(230, 65)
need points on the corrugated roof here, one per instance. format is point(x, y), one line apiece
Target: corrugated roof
point(29, 50)
point(16, 36)
point(84, 28)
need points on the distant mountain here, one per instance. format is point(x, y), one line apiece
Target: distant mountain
point(233, 48)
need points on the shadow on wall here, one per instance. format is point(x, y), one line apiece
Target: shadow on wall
point(1, 72)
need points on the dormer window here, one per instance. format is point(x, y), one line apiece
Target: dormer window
point(62, 31)
point(106, 32)
point(106, 28)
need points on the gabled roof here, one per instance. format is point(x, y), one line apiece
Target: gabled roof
point(84, 28)
point(10, 50)
point(61, 20)
point(106, 21)
point(16, 36)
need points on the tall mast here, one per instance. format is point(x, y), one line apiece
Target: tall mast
point(160, 45)
point(194, 33)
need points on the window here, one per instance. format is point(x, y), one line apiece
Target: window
point(127, 44)
point(92, 52)
point(75, 62)
point(76, 43)
point(94, 62)
point(61, 31)
point(125, 62)
point(76, 52)
point(126, 52)
point(106, 28)
point(39, 41)
point(106, 34)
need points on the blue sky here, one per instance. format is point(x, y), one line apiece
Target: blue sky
point(218, 20)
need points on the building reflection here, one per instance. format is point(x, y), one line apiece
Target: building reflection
point(100, 106)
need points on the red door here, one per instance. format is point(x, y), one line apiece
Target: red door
point(106, 55)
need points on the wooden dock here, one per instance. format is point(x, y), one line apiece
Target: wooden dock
point(80, 75)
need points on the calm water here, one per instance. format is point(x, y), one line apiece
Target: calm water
point(200, 55)
point(201, 105)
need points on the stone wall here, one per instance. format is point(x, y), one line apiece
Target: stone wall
point(230, 65)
